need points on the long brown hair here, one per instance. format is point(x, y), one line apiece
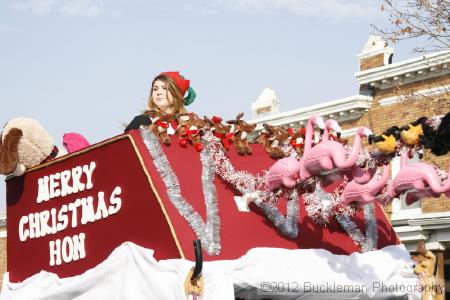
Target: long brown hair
point(178, 101)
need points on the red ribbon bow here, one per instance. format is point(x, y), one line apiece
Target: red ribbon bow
point(162, 124)
point(224, 138)
point(293, 141)
point(189, 132)
point(216, 119)
point(166, 124)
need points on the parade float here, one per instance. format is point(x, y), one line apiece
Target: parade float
point(297, 214)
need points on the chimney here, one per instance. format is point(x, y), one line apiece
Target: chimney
point(266, 104)
point(376, 53)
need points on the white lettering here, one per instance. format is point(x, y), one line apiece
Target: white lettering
point(87, 213)
point(102, 211)
point(77, 185)
point(72, 248)
point(53, 215)
point(78, 247)
point(67, 249)
point(73, 208)
point(43, 194)
point(44, 216)
point(66, 189)
point(54, 184)
point(88, 170)
point(115, 200)
point(55, 252)
point(63, 220)
point(33, 220)
point(23, 234)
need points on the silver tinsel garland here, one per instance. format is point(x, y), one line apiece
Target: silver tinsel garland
point(322, 207)
point(243, 181)
point(288, 225)
point(246, 183)
point(368, 242)
point(208, 233)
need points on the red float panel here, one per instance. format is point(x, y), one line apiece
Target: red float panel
point(144, 214)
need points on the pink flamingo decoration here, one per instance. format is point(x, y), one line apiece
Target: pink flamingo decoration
point(312, 122)
point(330, 125)
point(286, 172)
point(356, 173)
point(365, 193)
point(330, 156)
point(418, 181)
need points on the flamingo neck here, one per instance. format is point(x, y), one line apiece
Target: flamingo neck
point(326, 134)
point(356, 148)
point(308, 136)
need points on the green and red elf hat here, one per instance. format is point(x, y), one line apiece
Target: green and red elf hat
point(183, 85)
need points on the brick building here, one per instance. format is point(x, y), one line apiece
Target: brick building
point(389, 94)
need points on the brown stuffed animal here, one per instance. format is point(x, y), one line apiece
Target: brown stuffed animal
point(241, 130)
point(190, 130)
point(161, 121)
point(221, 131)
point(24, 143)
point(272, 139)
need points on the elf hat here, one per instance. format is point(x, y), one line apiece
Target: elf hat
point(183, 85)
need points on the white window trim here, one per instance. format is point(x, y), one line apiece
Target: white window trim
point(425, 92)
point(403, 67)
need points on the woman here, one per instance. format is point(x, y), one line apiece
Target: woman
point(166, 95)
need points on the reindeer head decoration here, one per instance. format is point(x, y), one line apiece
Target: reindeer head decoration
point(273, 139)
point(190, 130)
point(220, 130)
point(161, 122)
point(241, 130)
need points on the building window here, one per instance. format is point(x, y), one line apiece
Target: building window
point(391, 56)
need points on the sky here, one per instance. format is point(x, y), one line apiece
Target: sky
point(86, 65)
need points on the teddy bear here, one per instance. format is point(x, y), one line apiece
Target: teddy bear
point(25, 143)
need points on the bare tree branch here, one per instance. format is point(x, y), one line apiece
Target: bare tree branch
point(411, 19)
